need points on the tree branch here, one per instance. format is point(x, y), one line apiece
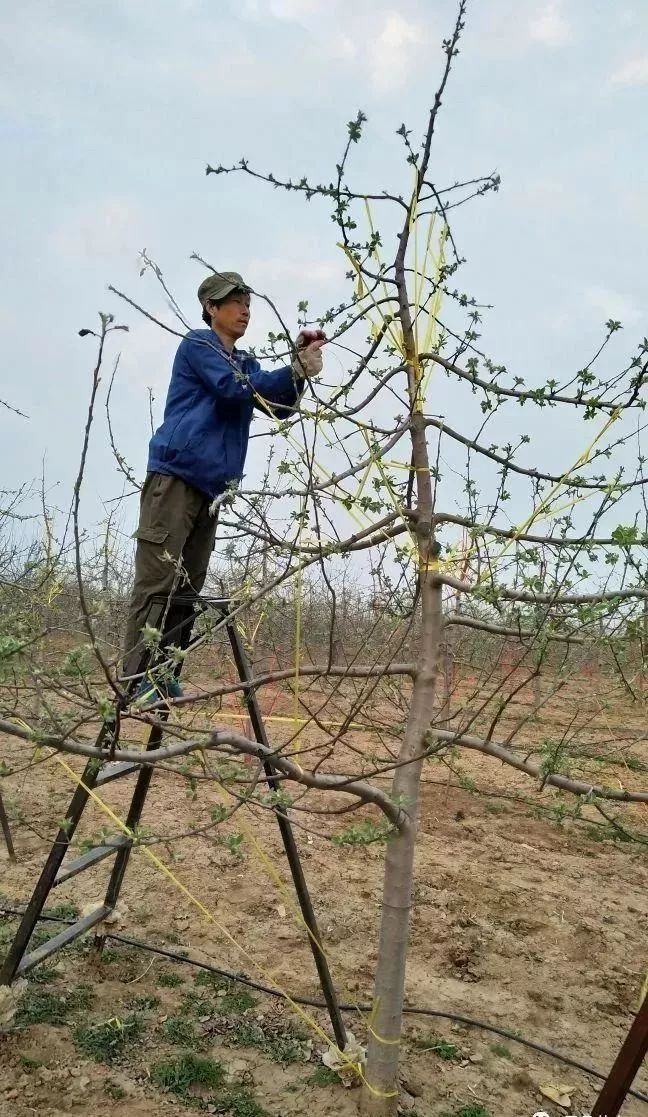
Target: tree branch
point(464, 621)
point(500, 752)
point(229, 742)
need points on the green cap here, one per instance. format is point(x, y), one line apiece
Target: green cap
point(220, 285)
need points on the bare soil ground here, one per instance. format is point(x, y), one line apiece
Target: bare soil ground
point(533, 927)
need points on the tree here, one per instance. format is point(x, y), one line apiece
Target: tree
point(545, 597)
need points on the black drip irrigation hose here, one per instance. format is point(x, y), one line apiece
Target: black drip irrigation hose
point(312, 1002)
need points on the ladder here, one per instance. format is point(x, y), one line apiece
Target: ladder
point(4, 825)
point(96, 774)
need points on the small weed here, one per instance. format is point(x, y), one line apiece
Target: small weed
point(439, 1047)
point(237, 1103)
point(64, 910)
point(109, 956)
point(231, 998)
point(363, 834)
point(472, 1110)
point(25, 1063)
point(169, 979)
point(42, 935)
point(185, 1072)
point(40, 1007)
point(208, 980)
point(144, 1003)
point(495, 808)
point(42, 975)
point(607, 833)
point(196, 1003)
point(502, 1050)
point(124, 955)
point(112, 1090)
point(322, 1076)
point(285, 1049)
point(285, 1046)
point(233, 843)
point(181, 1032)
point(173, 937)
point(227, 1004)
point(233, 1002)
point(105, 1042)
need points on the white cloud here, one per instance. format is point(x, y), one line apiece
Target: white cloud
point(294, 10)
point(156, 75)
point(549, 194)
point(535, 26)
point(392, 54)
point(632, 72)
point(612, 304)
point(379, 41)
point(146, 357)
point(344, 47)
point(310, 271)
point(634, 204)
point(111, 228)
point(549, 27)
point(300, 272)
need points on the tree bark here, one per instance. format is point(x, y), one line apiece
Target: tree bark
point(380, 1091)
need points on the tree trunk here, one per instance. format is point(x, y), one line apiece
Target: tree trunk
point(380, 1092)
point(380, 1089)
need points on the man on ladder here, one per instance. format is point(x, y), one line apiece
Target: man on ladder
point(198, 454)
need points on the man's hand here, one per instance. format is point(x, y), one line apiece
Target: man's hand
point(307, 337)
point(308, 361)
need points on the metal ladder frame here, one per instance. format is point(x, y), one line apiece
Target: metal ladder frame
point(17, 961)
point(625, 1068)
point(4, 826)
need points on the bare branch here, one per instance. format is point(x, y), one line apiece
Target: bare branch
point(462, 620)
point(507, 756)
point(228, 742)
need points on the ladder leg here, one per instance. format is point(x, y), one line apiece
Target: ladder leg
point(132, 821)
point(290, 847)
point(46, 879)
point(626, 1067)
point(4, 823)
point(182, 614)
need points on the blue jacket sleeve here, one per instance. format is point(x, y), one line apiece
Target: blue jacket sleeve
point(277, 389)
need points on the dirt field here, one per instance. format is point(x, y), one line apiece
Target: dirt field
point(530, 926)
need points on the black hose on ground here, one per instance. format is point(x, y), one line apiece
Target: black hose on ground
point(311, 1002)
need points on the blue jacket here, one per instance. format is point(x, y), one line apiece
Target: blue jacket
point(204, 435)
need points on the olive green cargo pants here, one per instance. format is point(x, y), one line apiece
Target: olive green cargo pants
point(175, 540)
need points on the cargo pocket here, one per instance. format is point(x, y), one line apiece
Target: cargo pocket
point(151, 534)
point(157, 508)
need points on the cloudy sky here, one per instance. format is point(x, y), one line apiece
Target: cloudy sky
point(109, 114)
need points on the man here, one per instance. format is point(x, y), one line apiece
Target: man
point(199, 452)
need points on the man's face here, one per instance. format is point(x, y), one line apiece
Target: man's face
point(233, 315)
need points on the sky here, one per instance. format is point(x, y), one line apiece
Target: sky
point(110, 113)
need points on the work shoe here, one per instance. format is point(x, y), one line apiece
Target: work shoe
point(149, 692)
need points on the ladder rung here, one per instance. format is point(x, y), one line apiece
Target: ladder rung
point(63, 938)
point(92, 857)
point(115, 769)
